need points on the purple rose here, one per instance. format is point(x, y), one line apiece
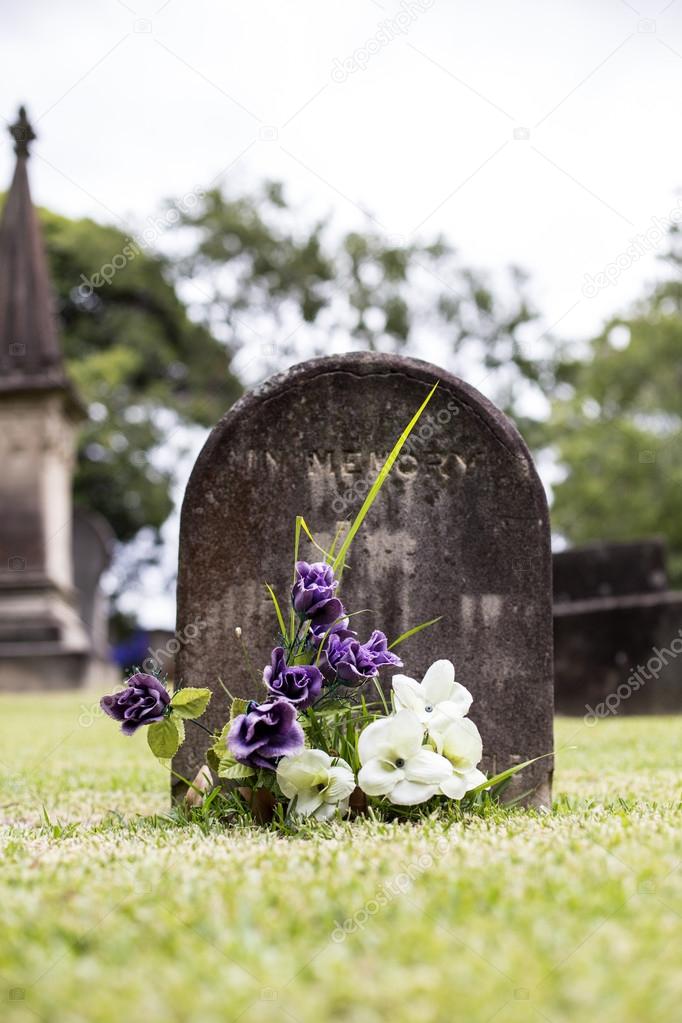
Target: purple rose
point(313, 588)
point(142, 702)
point(265, 733)
point(354, 662)
point(331, 617)
point(298, 683)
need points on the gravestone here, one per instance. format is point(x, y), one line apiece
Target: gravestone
point(460, 529)
point(617, 631)
point(609, 569)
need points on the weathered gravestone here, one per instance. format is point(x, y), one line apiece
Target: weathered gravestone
point(460, 529)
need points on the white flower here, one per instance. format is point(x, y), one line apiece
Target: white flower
point(460, 743)
point(437, 700)
point(395, 764)
point(320, 783)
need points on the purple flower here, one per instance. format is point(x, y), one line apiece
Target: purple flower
point(313, 588)
point(142, 702)
point(298, 683)
point(354, 662)
point(331, 617)
point(265, 733)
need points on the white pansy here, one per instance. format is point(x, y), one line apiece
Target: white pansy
point(320, 784)
point(436, 699)
point(396, 764)
point(460, 743)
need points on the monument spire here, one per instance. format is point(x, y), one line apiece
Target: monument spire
point(22, 133)
point(43, 642)
point(30, 353)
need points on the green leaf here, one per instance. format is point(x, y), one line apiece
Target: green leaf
point(413, 632)
point(219, 747)
point(164, 737)
point(238, 707)
point(497, 779)
point(337, 537)
point(297, 543)
point(340, 558)
point(229, 768)
point(190, 702)
point(278, 610)
point(304, 527)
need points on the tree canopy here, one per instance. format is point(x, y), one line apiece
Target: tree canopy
point(617, 430)
point(253, 287)
point(140, 365)
point(277, 289)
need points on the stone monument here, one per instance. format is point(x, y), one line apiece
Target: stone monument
point(460, 530)
point(617, 631)
point(44, 643)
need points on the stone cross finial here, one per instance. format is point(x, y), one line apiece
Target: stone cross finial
point(22, 133)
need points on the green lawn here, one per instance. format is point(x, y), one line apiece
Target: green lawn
point(107, 915)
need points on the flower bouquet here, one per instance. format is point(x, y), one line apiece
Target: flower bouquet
point(324, 740)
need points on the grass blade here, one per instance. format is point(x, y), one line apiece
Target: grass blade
point(337, 537)
point(413, 632)
point(306, 530)
point(297, 541)
point(499, 778)
point(340, 558)
point(278, 610)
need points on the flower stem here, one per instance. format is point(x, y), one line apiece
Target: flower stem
point(199, 725)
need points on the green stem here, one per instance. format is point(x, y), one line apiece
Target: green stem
point(199, 725)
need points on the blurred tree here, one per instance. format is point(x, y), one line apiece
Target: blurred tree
point(617, 427)
point(277, 290)
point(140, 365)
point(263, 290)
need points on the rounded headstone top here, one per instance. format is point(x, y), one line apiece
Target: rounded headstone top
point(368, 364)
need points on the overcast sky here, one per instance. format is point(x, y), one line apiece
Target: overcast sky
point(544, 134)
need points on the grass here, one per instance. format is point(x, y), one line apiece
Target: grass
point(109, 912)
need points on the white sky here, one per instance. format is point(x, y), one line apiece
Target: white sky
point(134, 102)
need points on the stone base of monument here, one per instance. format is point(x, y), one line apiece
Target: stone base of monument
point(44, 672)
point(43, 643)
point(617, 631)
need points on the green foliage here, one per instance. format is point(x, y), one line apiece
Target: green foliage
point(237, 707)
point(140, 365)
point(143, 367)
point(340, 558)
point(413, 631)
point(164, 737)
point(618, 429)
point(230, 769)
point(253, 254)
point(278, 611)
point(190, 702)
